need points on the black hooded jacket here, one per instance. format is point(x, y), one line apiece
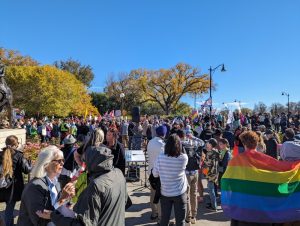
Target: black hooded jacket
point(103, 201)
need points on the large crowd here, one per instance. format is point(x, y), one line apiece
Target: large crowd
point(79, 179)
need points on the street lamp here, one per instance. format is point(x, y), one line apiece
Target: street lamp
point(122, 95)
point(211, 71)
point(288, 96)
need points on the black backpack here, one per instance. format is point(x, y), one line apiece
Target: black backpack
point(194, 156)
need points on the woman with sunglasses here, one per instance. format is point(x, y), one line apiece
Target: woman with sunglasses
point(43, 191)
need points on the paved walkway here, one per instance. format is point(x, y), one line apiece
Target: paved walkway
point(139, 213)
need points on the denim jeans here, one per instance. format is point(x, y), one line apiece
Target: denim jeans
point(212, 194)
point(9, 213)
point(180, 205)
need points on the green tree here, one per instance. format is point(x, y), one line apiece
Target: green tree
point(83, 73)
point(182, 109)
point(14, 58)
point(103, 102)
point(48, 91)
point(151, 108)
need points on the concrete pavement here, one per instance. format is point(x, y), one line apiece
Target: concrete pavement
point(139, 213)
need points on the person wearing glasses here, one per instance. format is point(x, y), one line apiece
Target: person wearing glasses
point(104, 199)
point(43, 191)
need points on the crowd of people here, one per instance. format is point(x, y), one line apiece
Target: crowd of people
point(86, 162)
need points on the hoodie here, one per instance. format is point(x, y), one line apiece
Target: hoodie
point(103, 201)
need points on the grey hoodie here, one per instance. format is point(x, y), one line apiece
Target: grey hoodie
point(103, 201)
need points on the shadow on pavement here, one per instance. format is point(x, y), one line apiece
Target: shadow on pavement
point(205, 214)
point(136, 221)
point(138, 207)
point(140, 219)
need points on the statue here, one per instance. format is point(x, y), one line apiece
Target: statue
point(6, 97)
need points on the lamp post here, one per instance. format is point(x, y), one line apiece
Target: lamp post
point(122, 95)
point(211, 71)
point(288, 114)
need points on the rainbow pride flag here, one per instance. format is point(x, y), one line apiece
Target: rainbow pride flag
point(259, 188)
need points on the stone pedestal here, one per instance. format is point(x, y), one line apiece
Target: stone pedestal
point(20, 133)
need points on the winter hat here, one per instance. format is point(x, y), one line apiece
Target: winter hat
point(69, 140)
point(161, 131)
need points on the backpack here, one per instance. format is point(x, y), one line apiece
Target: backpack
point(5, 181)
point(194, 158)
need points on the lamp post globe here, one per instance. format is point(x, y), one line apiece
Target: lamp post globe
point(122, 95)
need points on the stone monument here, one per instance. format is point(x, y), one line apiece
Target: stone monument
point(6, 100)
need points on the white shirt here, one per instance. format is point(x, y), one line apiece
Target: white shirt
point(154, 148)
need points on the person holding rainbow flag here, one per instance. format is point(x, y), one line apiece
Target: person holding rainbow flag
point(260, 190)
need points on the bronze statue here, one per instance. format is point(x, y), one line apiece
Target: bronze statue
point(6, 97)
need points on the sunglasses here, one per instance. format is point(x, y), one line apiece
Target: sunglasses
point(59, 161)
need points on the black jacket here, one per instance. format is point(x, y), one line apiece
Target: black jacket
point(119, 156)
point(20, 166)
point(206, 134)
point(271, 148)
point(194, 156)
point(103, 201)
point(70, 163)
point(230, 137)
point(156, 185)
point(36, 196)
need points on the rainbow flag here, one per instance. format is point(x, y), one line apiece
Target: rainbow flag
point(194, 114)
point(259, 188)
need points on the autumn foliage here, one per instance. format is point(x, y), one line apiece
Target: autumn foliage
point(47, 90)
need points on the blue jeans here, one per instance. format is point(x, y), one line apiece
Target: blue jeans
point(9, 213)
point(180, 205)
point(212, 194)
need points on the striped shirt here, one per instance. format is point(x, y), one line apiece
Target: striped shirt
point(171, 171)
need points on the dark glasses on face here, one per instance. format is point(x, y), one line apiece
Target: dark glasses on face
point(59, 161)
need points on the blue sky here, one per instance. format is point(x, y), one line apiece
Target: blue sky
point(258, 40)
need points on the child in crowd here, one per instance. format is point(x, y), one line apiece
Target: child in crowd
point(211, 162)
point(225, 156)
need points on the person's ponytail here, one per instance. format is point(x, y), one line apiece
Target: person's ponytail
point(7, 162)
point(11, 143)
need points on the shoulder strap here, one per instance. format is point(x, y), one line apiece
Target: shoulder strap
point(69, 155)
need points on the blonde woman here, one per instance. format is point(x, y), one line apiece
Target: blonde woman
point(43, 191)
point(261, 146)
point(12, 165)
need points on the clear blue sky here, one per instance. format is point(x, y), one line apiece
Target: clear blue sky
point(258, 40)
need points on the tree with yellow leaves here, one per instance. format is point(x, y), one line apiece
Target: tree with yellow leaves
point(14, 58)
point(167, 86)
point(48, 91)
